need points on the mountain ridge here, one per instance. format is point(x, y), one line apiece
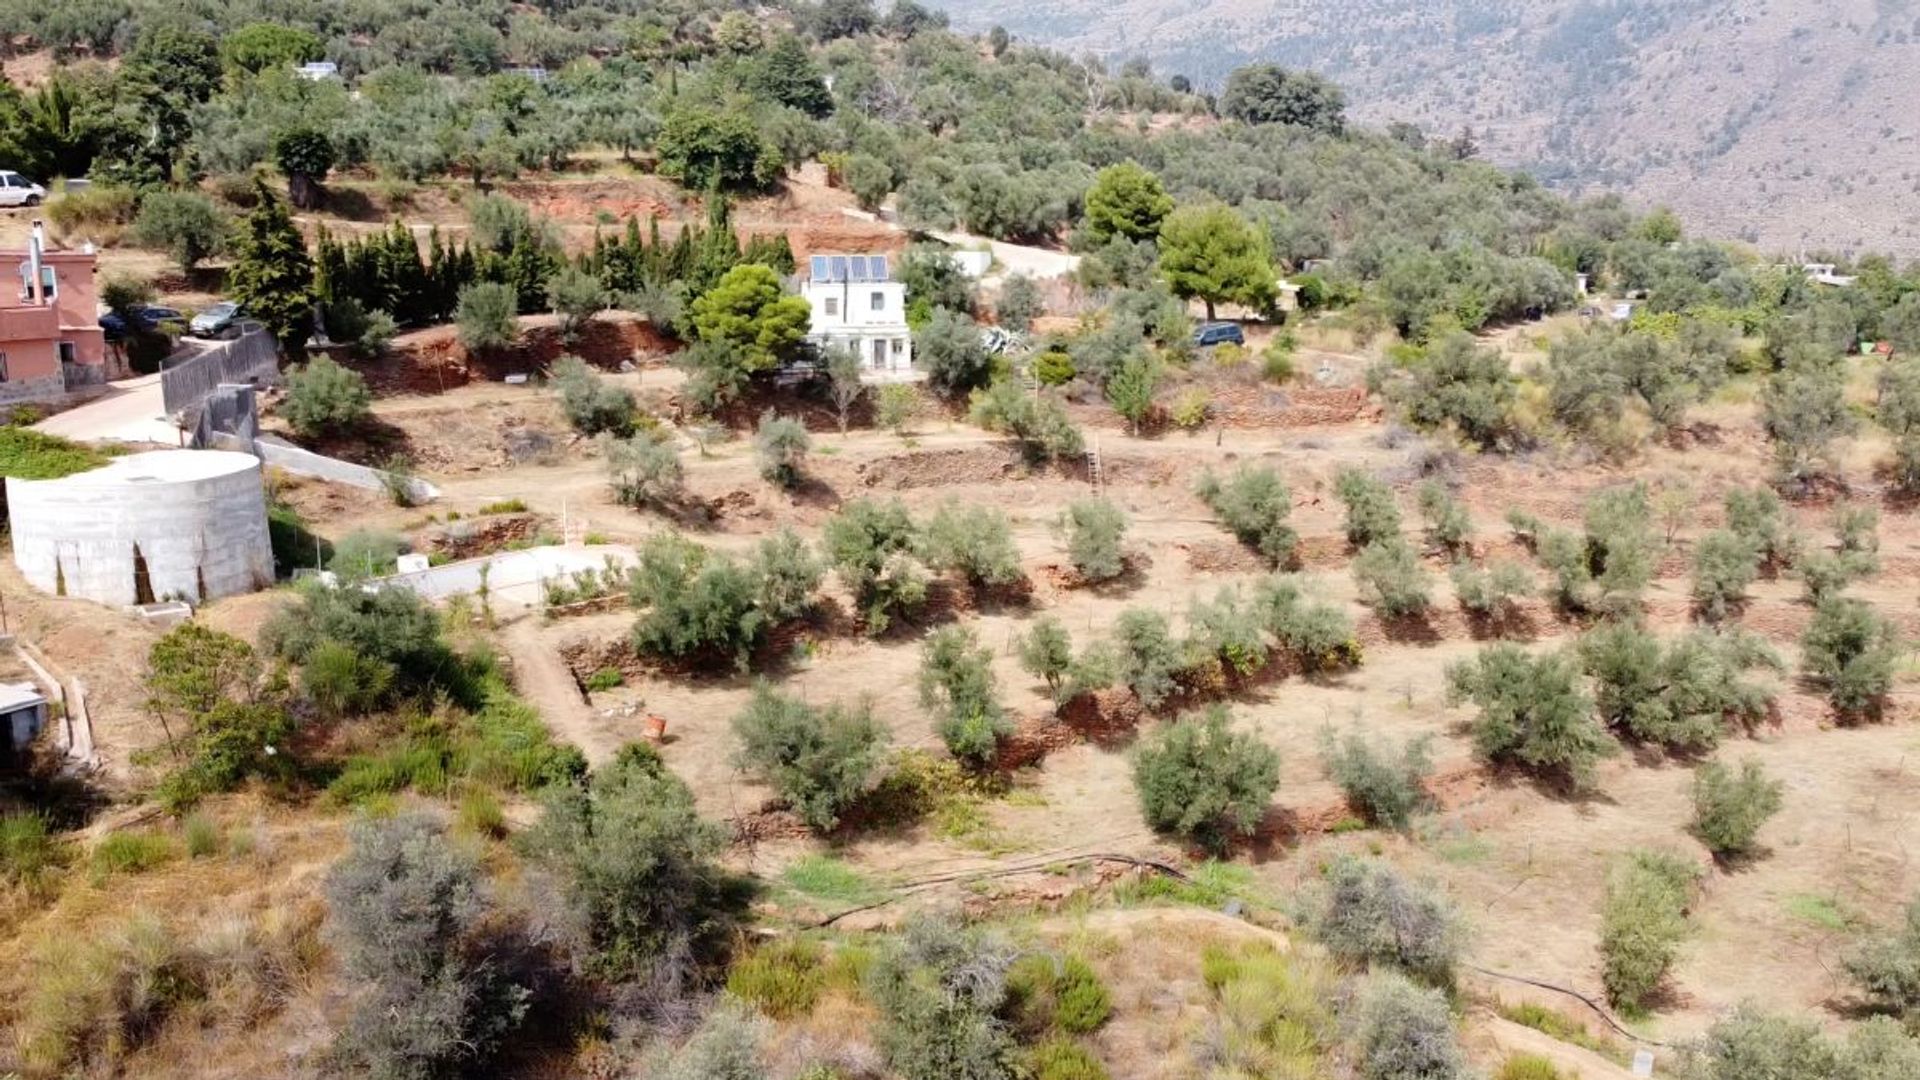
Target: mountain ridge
point(1787, 125)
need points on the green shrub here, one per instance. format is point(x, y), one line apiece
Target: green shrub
point(1724, 564)
point(1533, 712)
point(487, 315)
point(503, 506)
point(1492, 591)
point(1056, 994)
point(939, 989)
point(480, 814)
point(1318, 636)
point(1369, 912)
point(1094, 529)
point(694, 601)
point(1681, 695)
point(871, 544)
point(1405, 1032)
point(957, 682)
point(1064, 1059)
point(780, 444)
point(406, 919)
point(1391, 578)
point(184, 224)
point(1053, 368)
point(819, 760)
point(894, 407)
point(644, 469)
point(576, 295)
point(1204, 782)
point(1757, 516)
point(638, 863)
point(1729, 808)
point(1448, 525)
point(1372, 515)
point(1382, 787)
point(1145, 656)
point(782, 978)
point(1886, 968)
point(973, 541)
point(1643, 920)
point(1228, 630)
point(367, 553)
point(1850, 650)
point(1621, 549)
point(30, 852)
point(1038, 422)
point(1751, 1045)
point(1528, 1067)
point(604, 679)
point(201, 835)
point(591, 404)
point(1046, 652)
point(31, 455)
point(131, 853)
point(1253, 503)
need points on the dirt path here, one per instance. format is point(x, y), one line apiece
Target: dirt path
point(543, 679)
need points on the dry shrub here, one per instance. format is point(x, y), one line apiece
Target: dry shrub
point(99, 999)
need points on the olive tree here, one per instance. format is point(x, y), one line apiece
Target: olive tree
point(1199, 779)
point(820, 760)
point(1532, 712)
point(1094, 528)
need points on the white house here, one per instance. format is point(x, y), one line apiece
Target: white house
point(858, 306)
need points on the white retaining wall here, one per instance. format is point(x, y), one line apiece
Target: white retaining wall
point(198, 519)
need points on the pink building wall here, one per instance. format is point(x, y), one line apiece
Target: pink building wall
point(33, 331)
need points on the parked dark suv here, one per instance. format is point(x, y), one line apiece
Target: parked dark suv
point(1219, 333)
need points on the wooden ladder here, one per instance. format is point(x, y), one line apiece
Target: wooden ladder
point(1094, 475)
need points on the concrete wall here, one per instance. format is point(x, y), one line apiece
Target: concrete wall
point(196, 518)
point(302, 462)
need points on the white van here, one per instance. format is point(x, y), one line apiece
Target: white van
point(17, 190)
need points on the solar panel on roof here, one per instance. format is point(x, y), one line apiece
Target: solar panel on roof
point(818, 265)
point(858, 268)
point(878, 265)
point(839, 268)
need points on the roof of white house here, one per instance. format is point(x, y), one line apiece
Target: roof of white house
point(855, 269)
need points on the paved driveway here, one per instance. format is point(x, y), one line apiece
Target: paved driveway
point(132, 411)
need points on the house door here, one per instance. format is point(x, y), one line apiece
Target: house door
point(879, 346)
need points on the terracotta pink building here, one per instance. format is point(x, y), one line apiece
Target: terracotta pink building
point(50, 336)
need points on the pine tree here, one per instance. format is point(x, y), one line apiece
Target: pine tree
point(272, 277)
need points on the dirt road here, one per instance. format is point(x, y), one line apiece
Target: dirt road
point(543, 679)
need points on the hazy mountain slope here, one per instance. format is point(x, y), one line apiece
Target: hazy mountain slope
point(1786, 122)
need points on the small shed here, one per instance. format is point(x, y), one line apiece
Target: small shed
point(23, 710)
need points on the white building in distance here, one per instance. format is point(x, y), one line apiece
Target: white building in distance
point(858, 306)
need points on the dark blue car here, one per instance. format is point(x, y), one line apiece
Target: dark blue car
point(148, 318)
point(1219, 333)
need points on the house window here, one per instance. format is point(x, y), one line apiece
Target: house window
point(879, 301)
point(67, 355)
point(3, 367)
point(833, 305)
point(899, 346)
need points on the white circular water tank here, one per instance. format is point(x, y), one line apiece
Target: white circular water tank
point(163, 525)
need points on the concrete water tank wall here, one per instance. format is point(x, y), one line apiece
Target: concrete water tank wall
point(168, 524)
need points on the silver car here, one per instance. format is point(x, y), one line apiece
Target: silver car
point(216, 321)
